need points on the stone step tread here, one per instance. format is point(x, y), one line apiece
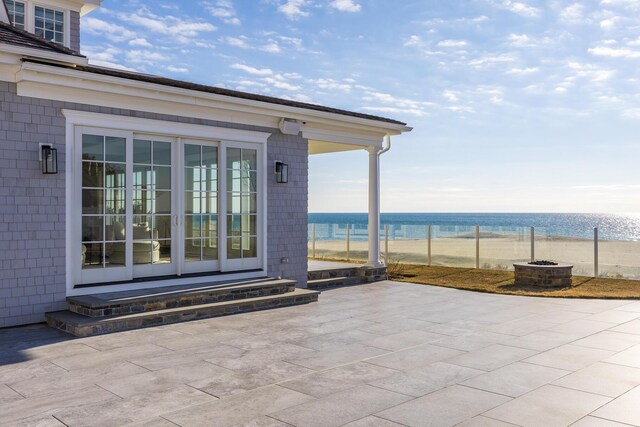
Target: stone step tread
point(114, 299)
point(80, 320)
point(334, 280)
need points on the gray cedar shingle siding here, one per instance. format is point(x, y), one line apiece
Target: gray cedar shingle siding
point(74, 36)
point(32, 205)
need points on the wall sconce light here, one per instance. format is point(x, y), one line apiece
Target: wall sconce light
point(282, 173)
point(49, 159)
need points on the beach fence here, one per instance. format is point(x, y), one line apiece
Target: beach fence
point(486, 247)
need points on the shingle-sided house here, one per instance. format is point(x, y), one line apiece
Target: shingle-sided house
point(113, 181)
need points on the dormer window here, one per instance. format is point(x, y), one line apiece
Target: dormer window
point(42, 18)
point(16, 11)
point(49, 24)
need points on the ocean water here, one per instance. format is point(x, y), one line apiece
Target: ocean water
point(412, 225)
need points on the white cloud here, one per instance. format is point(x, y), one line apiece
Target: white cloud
point(281, 82)
point(240, 42)
point(331, 84)
point(609, 23)
point(523, 71)
point(140, 42)
point(293, 9)
point(177, 69)
point(451, 43)
point(271, 48)
point(109, 30)
point(413, 41)
point(523, 40)
point(345, 5)
point(457, 21)
point(612, 52)
point(223, 10)
point(520, 8)
point(252, 70)
point(573, 13)
point(145, 57)
point(492, 60)
point(180, 29)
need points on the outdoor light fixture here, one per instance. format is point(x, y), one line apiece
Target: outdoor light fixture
point(49, 159)
point(289, 126)
point(282, 173)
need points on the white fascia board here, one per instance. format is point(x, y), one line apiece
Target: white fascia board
point(39, 54)
point(343, 137)
point(101, 86)
point(150, 126)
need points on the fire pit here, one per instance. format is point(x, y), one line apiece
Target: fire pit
point(543, 274)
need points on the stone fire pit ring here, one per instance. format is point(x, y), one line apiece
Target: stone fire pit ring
point(543, 274)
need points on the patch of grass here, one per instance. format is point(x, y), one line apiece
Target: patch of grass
point(502, 282)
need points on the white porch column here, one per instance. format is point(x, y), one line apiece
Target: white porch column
point(374, 208)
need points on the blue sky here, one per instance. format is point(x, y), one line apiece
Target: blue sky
point(517, 106)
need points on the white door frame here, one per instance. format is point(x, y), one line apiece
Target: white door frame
point(154, 127)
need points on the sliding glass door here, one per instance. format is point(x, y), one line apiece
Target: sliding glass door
point(155, 206)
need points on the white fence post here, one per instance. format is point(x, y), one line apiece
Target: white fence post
point(348, 242)
point(429, 245)
point(533, 244)
point(595, 252)
point(313, 241)
point(477, 246)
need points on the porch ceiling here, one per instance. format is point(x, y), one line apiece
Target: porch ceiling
point(322, 147)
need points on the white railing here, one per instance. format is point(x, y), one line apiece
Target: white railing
point(479, 247)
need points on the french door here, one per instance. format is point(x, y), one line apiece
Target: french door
point(165, 206)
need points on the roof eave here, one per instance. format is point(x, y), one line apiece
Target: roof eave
point(43, 55)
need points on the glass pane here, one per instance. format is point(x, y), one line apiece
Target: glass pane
point(162, 227)
point(115, 255)
point(233, 158)
point(163, 177)
point(92, 229)
point(142, 177)
point(92, 147)
point(253, 225)
point(142, 202)
point(249, 247)
point(250, 158)
point(210, 205)
point(115, 149)
point(234, 249)
point(115, 202)
point(234, 225)
point(161, 153)
point(164, 256)
point(249, 182)
point(92, 202)
point(115, 175)
point(39, 23)
point(163, 202)
point(192, 155)
point(115, 228)
point(249, 203)
point(192, 250)
point(92, 174)
point(39, 12)
point(142, 231)
point(210, 157)
point(192, 179)
point(141, 221)
point(59, 16)
point(210, 180)
point(210, 249)
point(233, 180)
point(191, 202)
point(48, 14)
point(141, 151)
point(143, 251)
point(209, 226)
point(233, 203)
point(92, 255)
point(192, 226)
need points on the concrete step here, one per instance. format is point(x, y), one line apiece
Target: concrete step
point(83, 326)
point(335, 282)
point(145, 300)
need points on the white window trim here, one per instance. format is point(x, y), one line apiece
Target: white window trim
point(175, 129)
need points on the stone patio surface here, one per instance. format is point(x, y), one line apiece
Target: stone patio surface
point(384, 354)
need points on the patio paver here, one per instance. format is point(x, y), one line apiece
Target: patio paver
point(378, 355)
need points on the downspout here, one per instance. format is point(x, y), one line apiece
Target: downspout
point(384, 150)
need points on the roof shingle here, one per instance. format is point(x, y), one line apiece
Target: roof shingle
point(13, 36)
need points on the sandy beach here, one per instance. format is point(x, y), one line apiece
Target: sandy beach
point(616, 258)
